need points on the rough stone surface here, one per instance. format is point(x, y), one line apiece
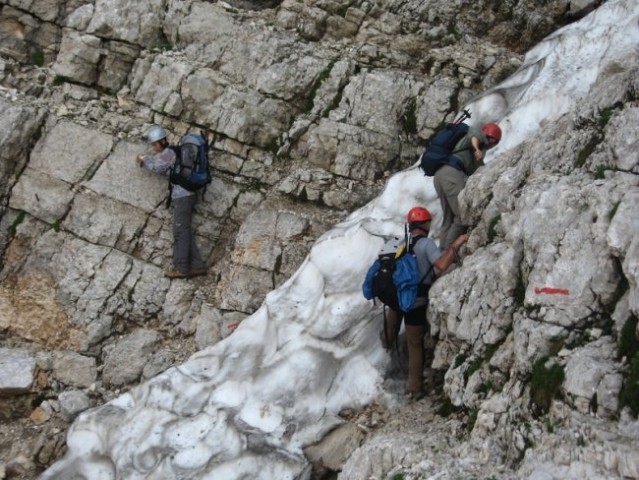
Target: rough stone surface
point(125, 360)
point(72, 403)
point(313, 104)
point(74, 369)
point(336, 447)
point(16, 371)
point(78, 57)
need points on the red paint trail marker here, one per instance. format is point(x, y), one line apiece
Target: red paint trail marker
point(552, 291)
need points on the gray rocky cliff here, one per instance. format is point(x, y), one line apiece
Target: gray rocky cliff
point(313, 105)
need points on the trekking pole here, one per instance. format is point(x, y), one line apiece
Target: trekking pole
point(465, 114)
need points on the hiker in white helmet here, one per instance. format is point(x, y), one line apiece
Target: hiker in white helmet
point(187, 261)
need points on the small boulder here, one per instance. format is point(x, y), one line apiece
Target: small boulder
point(72, 403)
point(17, 368)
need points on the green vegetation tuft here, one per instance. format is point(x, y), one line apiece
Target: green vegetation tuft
point(486, 388)
point(473, 367)
point(446, 409)
point(478, 362)
point(17, 221)
point(337, 99)
point(600, 172)
point(323, 75)
point(459, 359)
point(55, 226)
point(605, 117)
point(613, 210)
point(492, 228)
point(37, 57)
point(588, 150)
point(472, 419)
point(545, 384)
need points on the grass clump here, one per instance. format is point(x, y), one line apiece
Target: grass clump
point(613, 210)
point(17, 221)
point(459, 359)
point(323, 75)
point(37, 57)
point(472, 419)
point(472, 368)
point(588, 150)
point(600, 172)
point(605, 117)
point(545, 384)
point(447, 408)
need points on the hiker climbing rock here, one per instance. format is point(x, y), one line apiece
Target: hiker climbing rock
point(402, 280)
point(187, 261)
point(466, 157)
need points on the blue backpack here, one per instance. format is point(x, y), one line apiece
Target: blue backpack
point(441, 147)
point(395, 280)
point(191, 167)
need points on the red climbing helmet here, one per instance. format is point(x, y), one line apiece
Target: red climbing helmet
point(492, 130)
point(418, 215)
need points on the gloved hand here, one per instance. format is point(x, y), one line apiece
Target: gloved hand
point(139, 159)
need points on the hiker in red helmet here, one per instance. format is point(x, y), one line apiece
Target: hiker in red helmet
point(451, 179)
point(432, 262)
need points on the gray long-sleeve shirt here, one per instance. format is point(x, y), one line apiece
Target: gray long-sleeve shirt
point(162, 163)
point(465, 151)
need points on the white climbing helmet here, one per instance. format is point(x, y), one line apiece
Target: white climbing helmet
point(155, 134)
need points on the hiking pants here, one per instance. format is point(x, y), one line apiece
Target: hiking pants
point(186, 256)
point(415, 330)
point(448, 183)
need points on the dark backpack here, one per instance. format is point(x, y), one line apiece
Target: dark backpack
point(395, 280)
point(191, 167)
point(441, 148)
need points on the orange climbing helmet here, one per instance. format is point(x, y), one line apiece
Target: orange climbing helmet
point(418, 215)
point(492, 130)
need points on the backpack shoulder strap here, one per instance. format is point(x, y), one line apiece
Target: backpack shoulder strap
point(432, 266)
point(178, 153)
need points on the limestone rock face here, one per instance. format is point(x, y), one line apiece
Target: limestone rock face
point(312, 106)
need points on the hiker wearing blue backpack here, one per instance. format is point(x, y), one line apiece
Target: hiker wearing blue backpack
point(169, 160)
point(401, 280)
point(450, 179)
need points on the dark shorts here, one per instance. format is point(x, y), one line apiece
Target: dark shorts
point(416, 317)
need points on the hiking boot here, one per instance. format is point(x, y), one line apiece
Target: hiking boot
point(175, 273)
point(197, 272)
point(416, 395)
